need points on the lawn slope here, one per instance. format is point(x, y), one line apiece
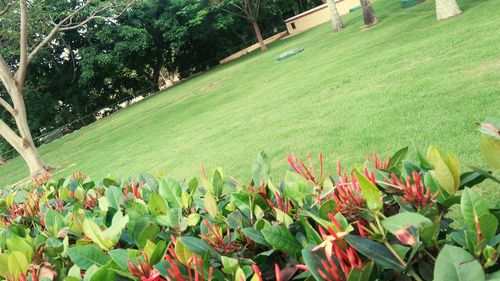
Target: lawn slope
point(409, 80)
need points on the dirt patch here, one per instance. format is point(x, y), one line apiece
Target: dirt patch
point(210, 86)
point(486, 67)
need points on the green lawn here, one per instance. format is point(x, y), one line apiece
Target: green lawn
point(408, 81)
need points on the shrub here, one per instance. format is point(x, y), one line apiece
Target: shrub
point(383, 219)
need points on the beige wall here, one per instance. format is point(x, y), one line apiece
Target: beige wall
point(321, 15)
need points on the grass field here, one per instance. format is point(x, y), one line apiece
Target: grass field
point(408, 81)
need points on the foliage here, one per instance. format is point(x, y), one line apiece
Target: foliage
point(383, 219)
point(84, 71)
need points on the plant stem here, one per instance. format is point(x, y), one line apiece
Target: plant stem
point(430, 255)
point(381, 230)
point(389, 246)
point(414, 275)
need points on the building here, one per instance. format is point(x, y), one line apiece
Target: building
point(317, 16)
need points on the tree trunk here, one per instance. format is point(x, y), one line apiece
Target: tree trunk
point(369, 17)
point(35, 163)
point(156, 73)
point(259, 35)
point(446, 9)
point(23, 141)
point(336, 19)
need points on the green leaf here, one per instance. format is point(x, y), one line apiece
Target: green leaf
point(490, 147)
point(53, 222)
point(217, 183)
point(150, 181)
point(210, 204)
point(159, 252)
point(442, 172)
point(495, 276)
point(472, 207)
point(107, 182)
point(89, 272)
point(361, 275)
point(398, 222)
point(157, 205)
point(453, 164)
point(486, 174)
point(53, 247)
point(230, 265)
point(20, 245)
point(328, 207)
point(193, 219)
point(114, 196)
point(313, 262)
point(18, 263)
point(173, 219)
point(283, 218)
point(196, 245)
point(92, 231)
point(148, 233)
point(255, 235)
point(397, 158)
point(172, 192)
point(261, 169)
point(324, 223)
point(371, 193)
point(118, 223)
point(454, 263)
point(423, 161)
point(241, 202)
point(469, 179)
point(311, 234)
point(488, 224)
point(375, 251)
point(106, 272)
point(239, 275)
point(280, 238)
point(4, 264)
point(431, 182)
point(295, 188)
point(182, 252)
point(74, 272)
point(86, 256)
point(121, 257)
point(235, 220)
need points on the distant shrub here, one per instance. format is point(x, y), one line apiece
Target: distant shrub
point(385, 219)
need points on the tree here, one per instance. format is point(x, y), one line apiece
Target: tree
point(248, 9)
point(336, 19)
point(72, 15)
point(446, 9)
point(369, 17)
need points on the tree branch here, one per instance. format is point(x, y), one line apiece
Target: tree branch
point(67, 23)
point(10, 136)
point(234, 13)
point(7, 7)
point(23, 44)
point(7, 106)
point(6, 75)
